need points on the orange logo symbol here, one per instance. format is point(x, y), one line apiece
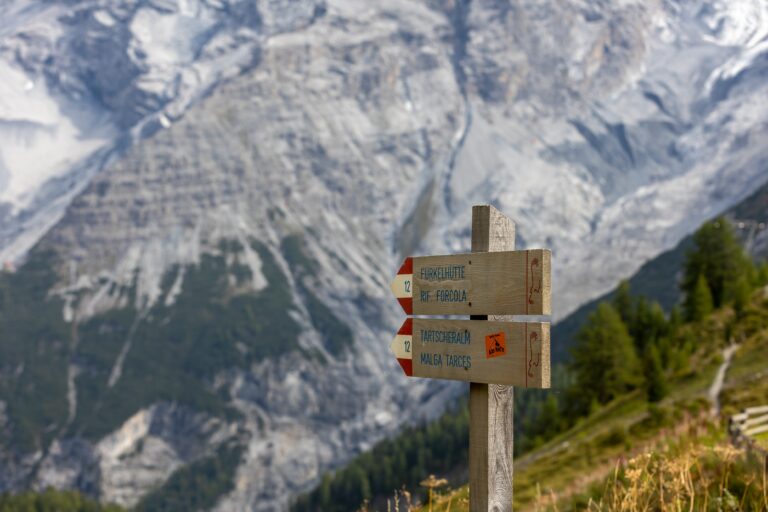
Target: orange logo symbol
point(495, 345)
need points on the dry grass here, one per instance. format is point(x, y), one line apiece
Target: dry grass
point(696, 471)
point(762, 440)
point(694, 477)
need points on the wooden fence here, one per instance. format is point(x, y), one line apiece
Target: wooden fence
point(747, 424)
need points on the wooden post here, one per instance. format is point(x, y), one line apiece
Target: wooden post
point(490, 405)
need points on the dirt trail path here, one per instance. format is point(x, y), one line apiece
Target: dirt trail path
point(717, 384)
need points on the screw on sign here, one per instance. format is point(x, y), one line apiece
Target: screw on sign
point(491, 355)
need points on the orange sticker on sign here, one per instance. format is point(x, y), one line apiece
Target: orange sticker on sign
point(495, 345)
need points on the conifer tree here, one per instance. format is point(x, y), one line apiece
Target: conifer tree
point(605, 362)
point(698, 303)
point(664, 346)
point(622, 302)
point(675, 320)
point(325, 492)
point(762, 274)
point(655, 382)
point(649, 324)
point(637, 328)
point(718, 257)
point(549, 420)
point(740, 296)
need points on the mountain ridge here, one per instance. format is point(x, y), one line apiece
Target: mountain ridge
point(658, 279)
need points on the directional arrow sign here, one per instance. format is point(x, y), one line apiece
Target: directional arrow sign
point(510, 353)
point(489, 283)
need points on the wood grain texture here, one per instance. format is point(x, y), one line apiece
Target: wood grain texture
point(490, 406)
point(492, 231)
point(458, 350)
point(507, 282)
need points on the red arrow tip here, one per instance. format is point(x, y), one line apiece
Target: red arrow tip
point(407, 304)
point(407, 328)
point(407, 365)
point(407, 267)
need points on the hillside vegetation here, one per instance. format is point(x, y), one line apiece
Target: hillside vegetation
point(631, 409)
point(52, 501)
point(86, 377)
point(215, 323)
point(657, 279)
point(639, 376)
point(615, 456)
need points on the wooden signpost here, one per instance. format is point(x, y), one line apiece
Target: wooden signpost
point(515, 354)
point(491, 355)
point(493, 283)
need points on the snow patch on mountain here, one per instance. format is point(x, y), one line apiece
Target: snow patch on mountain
point(608, 179)
point(42, 136)
point(81, 82)
point(734, 23)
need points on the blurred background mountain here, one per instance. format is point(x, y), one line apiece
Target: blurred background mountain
point(202, 203)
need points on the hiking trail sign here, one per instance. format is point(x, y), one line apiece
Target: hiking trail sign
point(491, 283)
point(511, 353)
point(491, 355)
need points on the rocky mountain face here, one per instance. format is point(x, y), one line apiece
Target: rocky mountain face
point(84, 80)
point(209, 262)
point(658, 279)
